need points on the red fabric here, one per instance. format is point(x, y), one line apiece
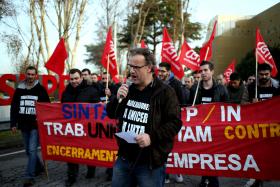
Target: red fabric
point(143, 44)
point(156, 70)
point(206, 50)
point(57, 60)
point(263, 54)
point(189, 57)
point(109, 50)
point(217, 139)
point(115, 79)
point(230, 69)
point(169, 55)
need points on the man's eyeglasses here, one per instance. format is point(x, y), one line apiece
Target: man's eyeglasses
point(136, 67)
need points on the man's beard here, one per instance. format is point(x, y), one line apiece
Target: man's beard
point(30, 81)
point(264, 80)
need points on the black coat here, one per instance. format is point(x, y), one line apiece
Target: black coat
point(220, 93)
point(83, 93)
point(165, 120)
point(179, 90)
point(101, 88)
point(23, 105)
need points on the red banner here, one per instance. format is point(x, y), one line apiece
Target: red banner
point(216, 139)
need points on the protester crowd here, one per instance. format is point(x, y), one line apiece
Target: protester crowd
point(143, 163)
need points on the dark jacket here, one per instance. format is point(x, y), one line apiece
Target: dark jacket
point(165, 120)
point(239, 96)
point(220, 93)
point(101, 88)
point(23, 111)
point(178, 87)
point(82, 93)
point(263, 92)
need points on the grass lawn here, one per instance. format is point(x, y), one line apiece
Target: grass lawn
point(8, 140)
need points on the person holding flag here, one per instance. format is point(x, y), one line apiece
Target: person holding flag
point(208, 92)
point(106, 87)
point(267, 87)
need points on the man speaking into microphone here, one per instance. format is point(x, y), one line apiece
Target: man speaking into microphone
point(150, 109)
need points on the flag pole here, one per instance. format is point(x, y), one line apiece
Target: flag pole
point(256, 82)
point(107, 75)
point(115, 48)
point(46, 170)
point(198, 83)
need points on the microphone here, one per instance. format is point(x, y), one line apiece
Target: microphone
point(128, 83)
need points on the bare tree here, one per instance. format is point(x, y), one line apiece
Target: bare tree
point(42, 13)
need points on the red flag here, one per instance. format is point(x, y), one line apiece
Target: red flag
point(230, 69)
point(189, 57)
point(206, 50)
point(169, 55)
point(57, 60)
point(143, 45)
point(263, 54)
point(109, 51)
point(156, 70)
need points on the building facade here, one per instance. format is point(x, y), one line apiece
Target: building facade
point(235, 35)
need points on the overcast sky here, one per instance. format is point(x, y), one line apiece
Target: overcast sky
point(201, 11)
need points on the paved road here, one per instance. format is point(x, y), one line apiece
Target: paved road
point(12, 168)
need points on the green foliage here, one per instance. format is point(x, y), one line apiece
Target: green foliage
point(247, 66)
point(160, 14)
point(94, 54)
point(8, 140)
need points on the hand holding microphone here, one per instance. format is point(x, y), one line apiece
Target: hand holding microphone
point(122, 92)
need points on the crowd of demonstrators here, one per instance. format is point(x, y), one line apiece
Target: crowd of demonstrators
point(78, 90)
point(23, 117)
point(143, 163)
